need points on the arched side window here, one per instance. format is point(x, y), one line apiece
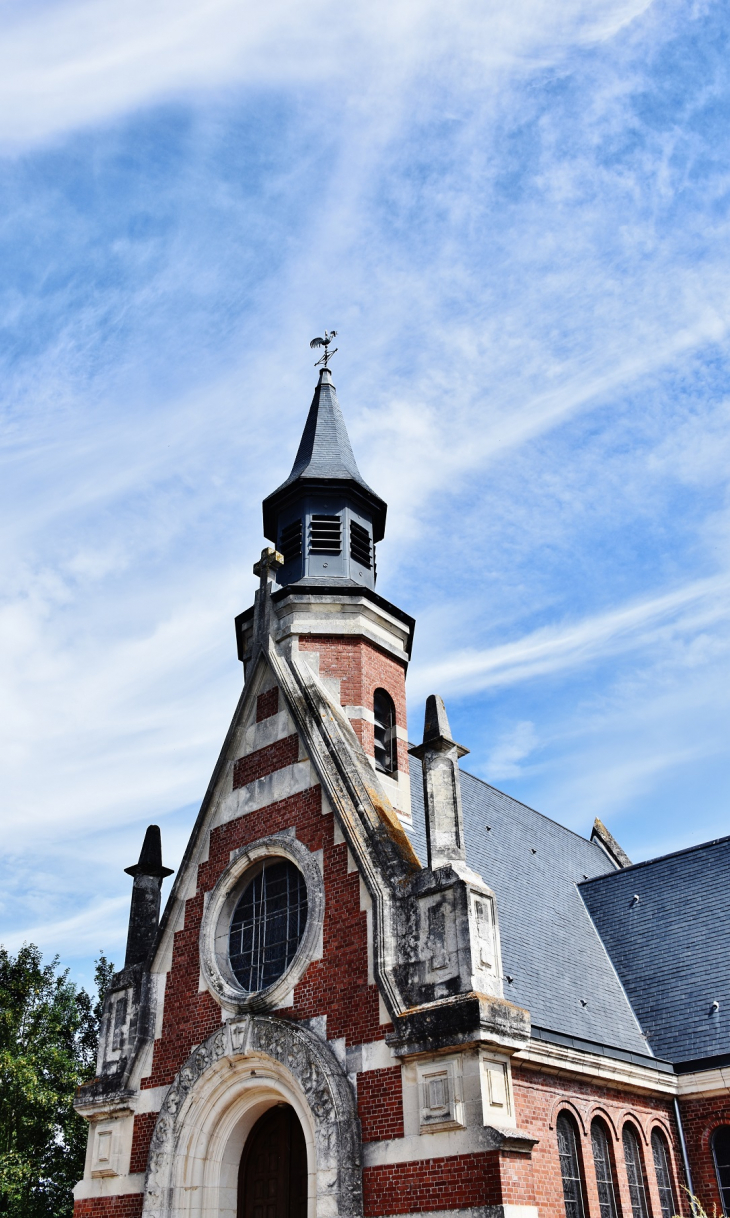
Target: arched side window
point(385, 745)
point(635, 1173)
point(663, 1174)
point(570, 1166)
point(604, 1170)
point(721, 1155)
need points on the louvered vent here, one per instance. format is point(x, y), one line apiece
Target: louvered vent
point(360, 549)
point(290, 542)
point(325, 535)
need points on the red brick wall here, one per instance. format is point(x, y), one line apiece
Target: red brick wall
point(129, 1205)
point(435, 1184)
point(361, 669)
point(267, 704)
point(266, 760)
point(335, 986)
point(144, 1124)
point(380, 1104)
point(700, 1118)
point(538, 1099)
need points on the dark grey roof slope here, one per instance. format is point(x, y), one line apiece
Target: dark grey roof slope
point(550, 946)
point(324, 449)
point(671, 947)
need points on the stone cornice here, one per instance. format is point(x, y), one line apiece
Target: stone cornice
point(563, 1060)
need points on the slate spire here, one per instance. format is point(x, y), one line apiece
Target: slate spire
point(324, 518)
point(324, 449)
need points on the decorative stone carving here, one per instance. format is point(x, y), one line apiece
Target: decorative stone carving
point(316, 1074)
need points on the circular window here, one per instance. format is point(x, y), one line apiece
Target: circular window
point(268, 924)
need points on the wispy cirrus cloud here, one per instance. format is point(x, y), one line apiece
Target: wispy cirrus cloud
point(650, 624)
point(516, 217)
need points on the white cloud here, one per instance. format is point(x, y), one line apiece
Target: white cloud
point(81, 934)
point(530, 315)
point(72, 63)
point(652, 623)
point(511, 748)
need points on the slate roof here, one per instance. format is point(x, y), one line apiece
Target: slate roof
point(550, 946)
point(671, 947)
point(324, 449)
point(324, 455)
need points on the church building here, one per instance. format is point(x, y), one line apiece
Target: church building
point(380, 986)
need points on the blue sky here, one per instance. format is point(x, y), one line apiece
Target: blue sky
point(516, 216)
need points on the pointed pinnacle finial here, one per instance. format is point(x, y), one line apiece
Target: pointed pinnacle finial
point(150, 858)
point(436, 721)
point(324, 342)
point(436, 730)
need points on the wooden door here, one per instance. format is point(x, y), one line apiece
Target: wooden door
point(272, 1178)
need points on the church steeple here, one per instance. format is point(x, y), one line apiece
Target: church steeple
point(324, 518)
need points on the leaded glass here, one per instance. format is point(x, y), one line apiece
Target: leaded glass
point(604, 1171)
point(569, 1167)
point(721, 1151)
point(663, 1177)
point(267, 925)
point(635, 1173)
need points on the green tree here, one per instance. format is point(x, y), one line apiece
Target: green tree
point(49, 1032)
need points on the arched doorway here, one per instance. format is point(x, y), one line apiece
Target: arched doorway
point(272, 1178)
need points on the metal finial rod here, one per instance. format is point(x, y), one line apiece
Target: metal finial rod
point(325, 342)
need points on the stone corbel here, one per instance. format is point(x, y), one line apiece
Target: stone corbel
point(517, 1141)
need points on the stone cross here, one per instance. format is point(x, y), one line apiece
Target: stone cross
point(266, 566)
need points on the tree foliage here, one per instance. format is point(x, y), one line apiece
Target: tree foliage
point(49, 1031)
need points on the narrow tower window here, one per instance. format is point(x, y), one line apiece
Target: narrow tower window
point(604, 1170)
point(635, 1173)
point(663, 1175)
point(721, 1154)
point(385, 746)
point(325, 535)
point(290, 542)
point(569, 1166)
point(360, 548)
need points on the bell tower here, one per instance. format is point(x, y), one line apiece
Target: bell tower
point(318, 596)
point(324, 519)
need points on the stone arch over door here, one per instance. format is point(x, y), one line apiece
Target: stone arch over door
point(226, 1084)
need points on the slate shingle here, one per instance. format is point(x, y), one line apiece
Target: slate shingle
point(671, 947)
point(550, 945)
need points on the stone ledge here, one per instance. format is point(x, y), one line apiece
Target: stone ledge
point(468, 1019)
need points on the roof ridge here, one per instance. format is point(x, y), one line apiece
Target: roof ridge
point(660, 858)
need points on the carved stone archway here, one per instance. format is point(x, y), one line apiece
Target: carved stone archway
point(256, 1060)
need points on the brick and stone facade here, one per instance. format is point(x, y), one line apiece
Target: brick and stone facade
point(395, 1032)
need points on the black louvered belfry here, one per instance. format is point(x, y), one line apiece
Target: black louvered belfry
point(360, 547)
point(325, 534)
point(324, 518)
point(290, 541)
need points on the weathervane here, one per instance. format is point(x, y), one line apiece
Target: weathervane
point(324, 342)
